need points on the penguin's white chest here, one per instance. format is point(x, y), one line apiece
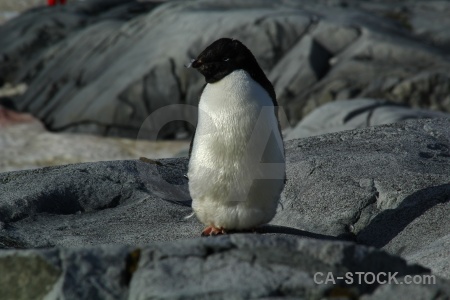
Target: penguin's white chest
point(237, 130)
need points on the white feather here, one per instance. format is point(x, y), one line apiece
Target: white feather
point(221, 177)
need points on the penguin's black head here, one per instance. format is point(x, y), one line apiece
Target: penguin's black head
point(223, 57)
point(227, 55)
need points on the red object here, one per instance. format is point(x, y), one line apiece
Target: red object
point(54, 2)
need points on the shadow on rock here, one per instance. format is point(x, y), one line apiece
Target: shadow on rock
point(389, 223)
point(297, 232)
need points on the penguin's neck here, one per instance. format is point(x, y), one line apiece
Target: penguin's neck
point(235, 92)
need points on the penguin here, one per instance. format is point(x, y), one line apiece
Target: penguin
point(236, 166)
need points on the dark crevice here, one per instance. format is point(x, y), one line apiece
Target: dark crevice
point(369, 116)
point(145, 92)
point(131, 265)
point(7, 242)
point(312, 171)
point(209, 251)
point(58, 202)
point(113, 203)
point(297, 232)
point(212, 250)
point(276, 49)
point(369, 108)
point(319, 58)
point(122, 98)
point(173, 68)
point(182, 94)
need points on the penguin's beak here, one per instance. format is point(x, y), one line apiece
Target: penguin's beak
point(189, 65)
point(194, 64)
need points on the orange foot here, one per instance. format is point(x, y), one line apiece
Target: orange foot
point(212, 230)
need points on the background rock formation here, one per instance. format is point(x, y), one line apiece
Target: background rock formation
point(356, 113)
point(104, 66)
point(26, 144)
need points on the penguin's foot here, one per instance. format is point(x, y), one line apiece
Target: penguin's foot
point(212, 230)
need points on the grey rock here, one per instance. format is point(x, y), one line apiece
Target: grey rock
point(431, 86)
point(314, 51)
point(98, 273)
point(252, 267)
point(75, 273)
point(304, 65)
point(240, 266)
point(127, 202)
point(412, 291)
point(357, 113)
point(27, 274)
point(387, 186)
point(382, 186)
point(422, 19)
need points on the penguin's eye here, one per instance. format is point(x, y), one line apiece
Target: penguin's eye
point(226, 59)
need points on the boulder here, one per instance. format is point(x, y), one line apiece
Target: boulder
point(357, 113)
point(240, 266)
point(128, 202)
point(105, 66)
point(385, 186)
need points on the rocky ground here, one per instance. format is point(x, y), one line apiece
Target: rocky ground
point(385, 187)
